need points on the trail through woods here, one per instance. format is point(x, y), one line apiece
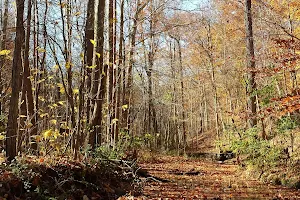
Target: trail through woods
point(214, 181)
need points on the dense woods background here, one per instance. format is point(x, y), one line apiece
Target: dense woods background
point(121, 75)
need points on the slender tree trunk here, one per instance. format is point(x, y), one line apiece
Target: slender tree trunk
point(152, 124)
point(182, 97)
point(100, 78)
point(175, 127)
point(129, 83)
point(12, 125)
point(183, 114)
point(89, 49)
point(27, 107)
point(120, 68)
point(2, 47)
point(110, 74)
point(251, 86)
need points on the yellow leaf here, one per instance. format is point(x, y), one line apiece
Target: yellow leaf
point(51, 107)
point(98, 55)
point(41, 50)
point(41, 98)
point(62, 90)
point(47, 133)
point(55, 67)
point(31, 78)
point(53, 121)
point(56, 134)
point(29, 125)
point(75, 91)
point(91, 67)
point(114, 121)
point(44, 115)
point(4, 52)
point(2, 137)
point(61, 103)
point(22, 116)
point(93, 42)
point(77, 14)
point(68, 65)
point(40, 81)
point(125, 107)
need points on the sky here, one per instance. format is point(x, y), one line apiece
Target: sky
point(194, 4)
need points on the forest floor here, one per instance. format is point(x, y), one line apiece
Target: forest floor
point(206, 179)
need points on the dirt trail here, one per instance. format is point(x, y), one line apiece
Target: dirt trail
point(215, 181)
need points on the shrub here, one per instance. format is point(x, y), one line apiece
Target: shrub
point(259, 153)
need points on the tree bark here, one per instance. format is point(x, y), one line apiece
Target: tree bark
point(251, 86)
point(110, 74)
point(27, 107)
point(89, 49)
point(120, 69)
point(100, 78)
point(2, 47)
point(12, 125)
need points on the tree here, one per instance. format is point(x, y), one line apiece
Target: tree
point(12, 125)
point(251, 84)
point(3, 47)
point(98, 88)
point(27, 107)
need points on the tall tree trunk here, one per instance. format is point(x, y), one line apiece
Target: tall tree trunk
point(251, 86)
point(110, 72)
point(120, 68)
point(27, 107)
point(174, 127)
point(182, 96)
point(127, 91)
point(89, 48)
point(2, 47)
point(100, 77)
point(152, 123)
point(12, 125)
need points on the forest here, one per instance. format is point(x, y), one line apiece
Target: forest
point(149, 99)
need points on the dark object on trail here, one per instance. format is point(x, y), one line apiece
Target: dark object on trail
point(218, 157)
point(191, 172)
point(224, 156)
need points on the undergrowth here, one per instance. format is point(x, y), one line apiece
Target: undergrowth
point(45, 178)
point(274, 159)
